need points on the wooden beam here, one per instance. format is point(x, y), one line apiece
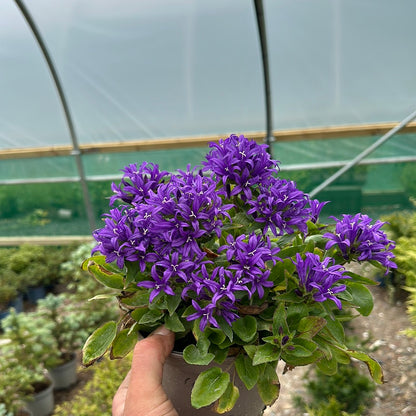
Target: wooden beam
point(45, 240)
point(314, 133)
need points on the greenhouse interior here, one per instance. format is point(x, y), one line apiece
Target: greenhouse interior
point(91, 87)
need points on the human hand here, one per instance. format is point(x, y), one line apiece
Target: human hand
point(141, 392)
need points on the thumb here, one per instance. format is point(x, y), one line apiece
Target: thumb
point(145, 394)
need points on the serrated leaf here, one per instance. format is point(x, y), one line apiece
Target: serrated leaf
point(98, 343)
point(362, 298)
point(309, 326)
point(247, 372)
point(373, 366)
point(215, 335)
point(268, 385)
point(357, 278)
point(193, 355)
point(106, 277)
point(279, 320)
point(133, 267)
point(123, 343)
point(227, 401)
point(209, 387)
point(245, 328)
point(328, 367)
point(335, 330)
point(151, 317)
point(137, 298)
point(173, 303)
point(173, 323)
point(266, 353)
point(250, 350)
point(303, 347)
point(228, 331)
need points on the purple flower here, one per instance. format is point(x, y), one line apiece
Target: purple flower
point(241, 162)
point(205, 313)
point(281, 207)
point(357, 238)
point(158, 285)
point(316, 208)
point(137, 182)
point(318, 277)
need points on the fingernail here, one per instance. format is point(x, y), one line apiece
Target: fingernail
point(162, 330)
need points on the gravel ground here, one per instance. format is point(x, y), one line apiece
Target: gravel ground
point(395, 351)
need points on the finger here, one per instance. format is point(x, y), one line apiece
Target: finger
point(145, 392)
point(120, 397)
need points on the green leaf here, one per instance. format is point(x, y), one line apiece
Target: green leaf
point(373, 366)
point(151, 317)
point(209, 386)
point(250, 350)
point(227, 401)
point(103, 296)
point(335, 330)
point(291, 251)
point(228, 331)
point(193, 355)
point(173, 323)
point(268, 385)
point(137, 313)
point(106, 277)
point(123, 343)
point(266, 353)
point(294, 361)
point(328, 367)
point(245, 328)
point(98, 343)
point(215, 335)
point(279, 320)
point(303, 347)
point(137, 298)
point(173, 303)
point(309, 326)
point(360, 279)
point(247, 372)
point(133, 268)
point(362, 298)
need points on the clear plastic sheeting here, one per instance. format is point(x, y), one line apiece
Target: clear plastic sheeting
point(167, 68)
point(146, 69)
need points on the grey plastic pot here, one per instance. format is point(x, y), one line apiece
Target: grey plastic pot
point(178, 380)
point(41, 403)
point(65, 375)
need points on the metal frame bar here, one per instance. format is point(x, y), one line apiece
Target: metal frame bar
point(363, 154)
point(75, 147)
point(283, 168)
point(261, 25)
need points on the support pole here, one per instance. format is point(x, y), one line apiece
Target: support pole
point(76, 150)
point(363, 154)
point(261, 24)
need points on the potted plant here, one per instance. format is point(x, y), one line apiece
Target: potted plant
point(234, 260)
point(28, 350)
point(10, 295)
point(70, 323)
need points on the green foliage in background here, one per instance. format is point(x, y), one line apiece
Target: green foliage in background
point(347, 392)
point(95, 399)
point(403, 226)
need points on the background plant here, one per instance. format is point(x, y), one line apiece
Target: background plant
point(95, 398)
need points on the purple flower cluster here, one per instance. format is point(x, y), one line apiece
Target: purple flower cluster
point(319, 277)
point(183, 233)
point(358, 238)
